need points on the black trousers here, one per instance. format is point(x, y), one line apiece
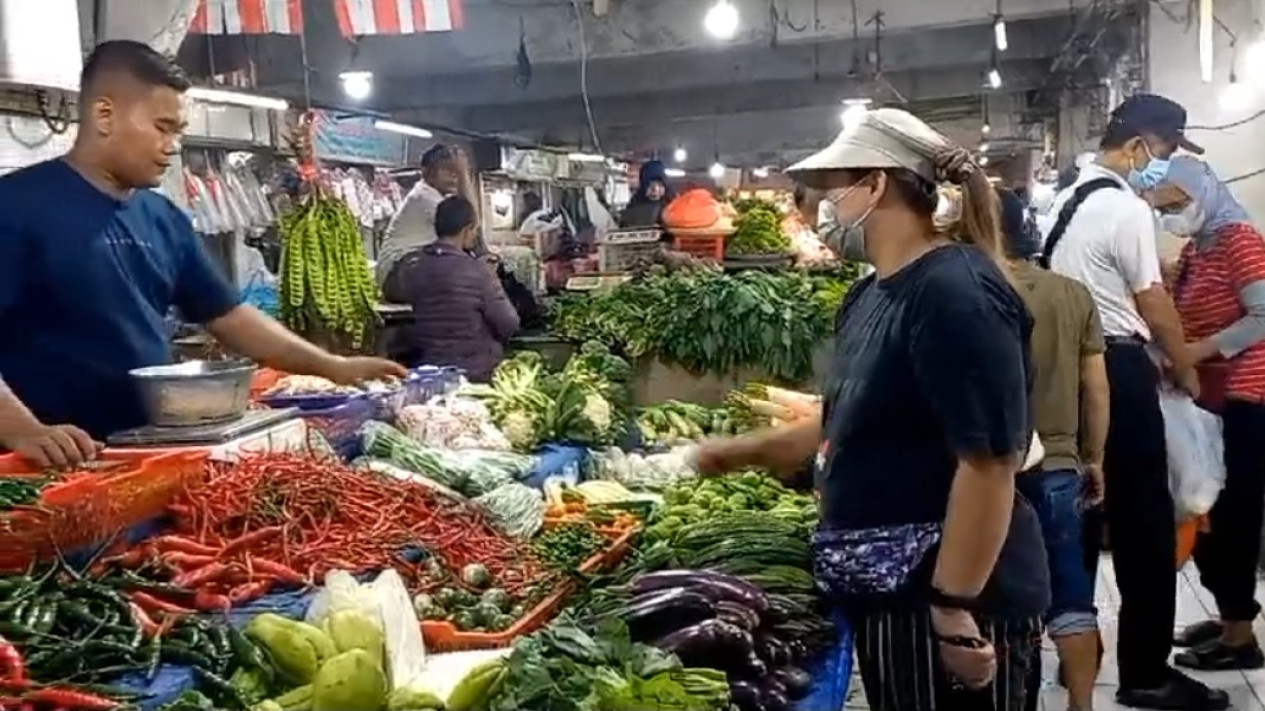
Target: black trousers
point(1228, 553)
point(900, 666)
point(1140, 517)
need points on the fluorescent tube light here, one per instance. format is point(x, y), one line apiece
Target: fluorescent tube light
point(403, 128)
point(237, 98)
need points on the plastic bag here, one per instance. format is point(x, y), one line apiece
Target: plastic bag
point(1196, 466)
point(386, 600)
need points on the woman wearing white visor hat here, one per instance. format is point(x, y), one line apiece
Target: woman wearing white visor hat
point(925, 546)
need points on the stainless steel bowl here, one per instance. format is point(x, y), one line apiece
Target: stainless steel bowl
point(195, 392)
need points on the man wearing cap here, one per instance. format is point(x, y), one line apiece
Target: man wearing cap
point(445, 172)
point(1104, 236)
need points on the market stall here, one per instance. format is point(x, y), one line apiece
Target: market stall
point(536, 543)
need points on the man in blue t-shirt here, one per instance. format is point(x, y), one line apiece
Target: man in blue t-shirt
point(92, 260)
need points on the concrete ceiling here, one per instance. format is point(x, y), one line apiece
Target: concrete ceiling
point(655, 80)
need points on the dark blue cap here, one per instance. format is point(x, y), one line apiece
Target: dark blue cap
point(1156, 115)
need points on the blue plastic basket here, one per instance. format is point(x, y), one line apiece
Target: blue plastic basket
point(424, 382)
point(341, 424)
point(314, 401)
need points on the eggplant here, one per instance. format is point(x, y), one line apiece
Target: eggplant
point(717, 645)
point(663, 611)
point(799, 651)
point(770, 685)
point(746, 696)
point(715, 586)
point(798, 683)
point(738, 614)
point(774, 700)
point(772, 650)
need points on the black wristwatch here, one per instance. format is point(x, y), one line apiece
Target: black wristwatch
point(942, 599)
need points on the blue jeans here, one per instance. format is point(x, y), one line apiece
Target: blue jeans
point(1057, 497)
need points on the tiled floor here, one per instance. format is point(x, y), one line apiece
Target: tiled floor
point(1246, 689)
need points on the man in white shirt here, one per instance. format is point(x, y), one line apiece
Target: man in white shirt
point(445, 172)
point(1103, 235)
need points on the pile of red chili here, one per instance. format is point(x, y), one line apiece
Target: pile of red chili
point(283, 518)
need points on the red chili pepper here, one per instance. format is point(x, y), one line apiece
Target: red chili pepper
point(142, 619)
point(186, 561)
point(208, 601)
point(196, 577)
point(184, 545)
point(282, 573)
point(249, 540)
point(151, 604)
point(70, 698)
point(11, 663)
point(249, 591)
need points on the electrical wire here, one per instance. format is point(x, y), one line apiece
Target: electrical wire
point(1245, 176)
point(584, 77)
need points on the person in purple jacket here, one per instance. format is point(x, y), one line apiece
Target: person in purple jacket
point(463, 315)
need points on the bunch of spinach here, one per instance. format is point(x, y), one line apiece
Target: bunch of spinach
point(711, 322)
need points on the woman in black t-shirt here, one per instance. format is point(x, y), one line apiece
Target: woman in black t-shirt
point(936, 562)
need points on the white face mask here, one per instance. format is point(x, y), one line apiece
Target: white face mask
point(1186, 223)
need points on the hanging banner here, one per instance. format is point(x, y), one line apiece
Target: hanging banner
point(397, 17)
point(248, 17)
point(353, 139)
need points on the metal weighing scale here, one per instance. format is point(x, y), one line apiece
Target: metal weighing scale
point(251, 422)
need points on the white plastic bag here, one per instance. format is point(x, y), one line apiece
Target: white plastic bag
point(387, 601)
point(1196, 466)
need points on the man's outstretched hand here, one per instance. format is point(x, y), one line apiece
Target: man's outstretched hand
point(355, 370)
point(53, 446)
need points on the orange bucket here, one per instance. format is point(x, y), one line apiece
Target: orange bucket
point(1187, 532)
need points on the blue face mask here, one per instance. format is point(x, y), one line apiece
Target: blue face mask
point(1151, 175)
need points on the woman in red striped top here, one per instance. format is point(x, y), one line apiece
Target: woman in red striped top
point(1220, 294)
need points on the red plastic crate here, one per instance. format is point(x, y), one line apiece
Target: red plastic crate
point(443, 636)
point(702, 246)
point(112, 494)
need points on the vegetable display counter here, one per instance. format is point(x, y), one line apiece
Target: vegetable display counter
point(617, 578)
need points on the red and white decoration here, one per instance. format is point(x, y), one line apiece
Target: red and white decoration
point(397, 17)
point(248, 17)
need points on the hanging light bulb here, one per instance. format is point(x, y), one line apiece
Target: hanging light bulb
point(994, 78)
point(853, 111)
point(721, 20)
point(983, 147)
point(983, 161)
point(717, 171)
point(680, 155)
point(357, 85)
point(999, 33)
point(985, 129)
point(760, 173)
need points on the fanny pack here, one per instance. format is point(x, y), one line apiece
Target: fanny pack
point(864, 562)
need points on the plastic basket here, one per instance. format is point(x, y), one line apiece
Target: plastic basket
point(445, 637)
point(424, 382)
point(341, 425)
point(702, 246)
point(115, 493)
point(623, 257)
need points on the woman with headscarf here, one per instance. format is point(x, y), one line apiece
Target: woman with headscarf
point(924, 543)
point(645, 209)
point(1220, 294)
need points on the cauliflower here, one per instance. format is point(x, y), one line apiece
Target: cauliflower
point(598, 412)
point(520, 429)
